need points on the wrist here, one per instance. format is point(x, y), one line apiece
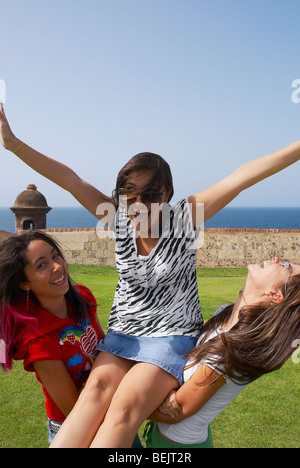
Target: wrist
point(12, 144)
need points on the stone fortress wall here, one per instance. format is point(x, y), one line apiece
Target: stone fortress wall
point(222, 248)
point(231, 248)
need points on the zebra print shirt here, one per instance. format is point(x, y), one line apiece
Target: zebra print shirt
point(157, 295)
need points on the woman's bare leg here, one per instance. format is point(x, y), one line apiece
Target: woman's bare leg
point(141, 391)
point(84, 420)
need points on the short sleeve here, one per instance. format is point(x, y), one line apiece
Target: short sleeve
point(43, 348)
point(211, 361)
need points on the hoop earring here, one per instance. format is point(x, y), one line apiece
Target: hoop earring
point(27, 300)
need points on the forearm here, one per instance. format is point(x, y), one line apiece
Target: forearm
point(219, 195)
point(157, 416)
point(47, 167)
point(58, 384)
point(253, 172)
point(190, 398)
point(65, 177)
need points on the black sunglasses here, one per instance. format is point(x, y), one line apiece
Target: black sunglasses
point(148, 197)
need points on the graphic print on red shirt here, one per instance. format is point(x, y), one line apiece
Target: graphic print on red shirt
point(56, 339)
point(79, 347)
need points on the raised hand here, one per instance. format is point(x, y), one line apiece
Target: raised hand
point(7, 138)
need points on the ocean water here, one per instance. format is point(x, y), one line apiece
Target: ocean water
point(256, 218)
point(229, 217)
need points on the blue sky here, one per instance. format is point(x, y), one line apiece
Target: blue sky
point(205, 83)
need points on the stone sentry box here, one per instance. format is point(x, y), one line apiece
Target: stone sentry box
point(30, 210)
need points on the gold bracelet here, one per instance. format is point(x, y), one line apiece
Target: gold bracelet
point(19, 148)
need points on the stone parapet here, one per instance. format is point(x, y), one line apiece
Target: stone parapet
point(222, 248)
point(237, 248)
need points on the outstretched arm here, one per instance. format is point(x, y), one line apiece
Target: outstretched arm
point(219, 195)
point(53, 170)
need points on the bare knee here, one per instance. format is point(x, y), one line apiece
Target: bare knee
point(98, 386)
point(123, 416)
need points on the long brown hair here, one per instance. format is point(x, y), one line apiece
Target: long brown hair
point(14, 317)
point(260, 343)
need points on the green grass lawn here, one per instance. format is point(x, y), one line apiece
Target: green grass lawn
point(266, 414)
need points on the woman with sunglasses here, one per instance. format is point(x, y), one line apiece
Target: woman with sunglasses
point(156, 316)
point(242, 342)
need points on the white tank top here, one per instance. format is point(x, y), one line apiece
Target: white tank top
point(194, 429)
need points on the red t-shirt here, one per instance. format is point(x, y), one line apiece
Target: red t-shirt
point(63, 340)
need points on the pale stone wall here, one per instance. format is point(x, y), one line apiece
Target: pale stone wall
point(4, 235)
point(86, 246)
point(231, 248)
point(237, 248)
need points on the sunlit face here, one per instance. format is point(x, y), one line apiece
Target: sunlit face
point(273, 275)
point(46, 271)
point(143, 214)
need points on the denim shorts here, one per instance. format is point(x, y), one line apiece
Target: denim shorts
point(165, 352)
